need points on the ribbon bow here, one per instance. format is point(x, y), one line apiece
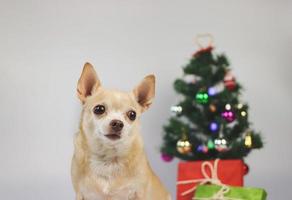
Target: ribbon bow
point(212, 179)
point(220, 195)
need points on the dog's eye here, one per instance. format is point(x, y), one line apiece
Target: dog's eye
point(132, 115)
point(99, 109)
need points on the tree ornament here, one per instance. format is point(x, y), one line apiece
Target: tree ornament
point(212, 91)
point(202, 97)
point(214, 126)
point(229, 81)
point(228, 107)
point(228, 115)
point(243, 113)
point(212, 108)
point(230, 85)
point(245, 169)
point(202, 148)
point(176, 109)
point(220, 144)
point(239, 106)
point(216, 89)
point(248, 140)
point(166, 157)
point(183, 146)
point(211, 145)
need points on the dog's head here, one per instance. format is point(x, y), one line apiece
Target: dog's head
point(112, 116)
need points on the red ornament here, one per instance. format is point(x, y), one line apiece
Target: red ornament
point(229, 81)
point(230, 85)
point(245, 169)
point(165, 157)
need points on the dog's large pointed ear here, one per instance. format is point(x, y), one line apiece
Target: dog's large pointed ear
point(88, 82)
point(145, 92)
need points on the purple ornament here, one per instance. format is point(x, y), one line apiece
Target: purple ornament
point(212, 91)
point(214, 126)
point(202, 148)
point(228, 115)
point(165, 157)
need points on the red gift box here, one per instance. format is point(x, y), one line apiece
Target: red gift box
point(190, 174)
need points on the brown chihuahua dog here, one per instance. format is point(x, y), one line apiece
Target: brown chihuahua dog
point(109, 161)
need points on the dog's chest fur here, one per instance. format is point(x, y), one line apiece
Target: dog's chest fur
point(107, 181)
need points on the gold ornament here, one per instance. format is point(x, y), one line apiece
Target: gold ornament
point(239, 106)
point(183, 146)
point(248, 140)
point(212, 108)
point(243, 113)
point(242, 110)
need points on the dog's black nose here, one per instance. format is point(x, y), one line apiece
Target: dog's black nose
point(116, 125)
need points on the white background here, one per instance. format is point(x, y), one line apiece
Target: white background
point(43, 45)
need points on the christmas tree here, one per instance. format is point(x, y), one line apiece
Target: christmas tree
point(210, 121)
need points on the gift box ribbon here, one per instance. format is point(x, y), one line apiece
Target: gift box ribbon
point(212, 179)
point(220, 195)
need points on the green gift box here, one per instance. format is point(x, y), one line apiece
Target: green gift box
point(207, 192)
